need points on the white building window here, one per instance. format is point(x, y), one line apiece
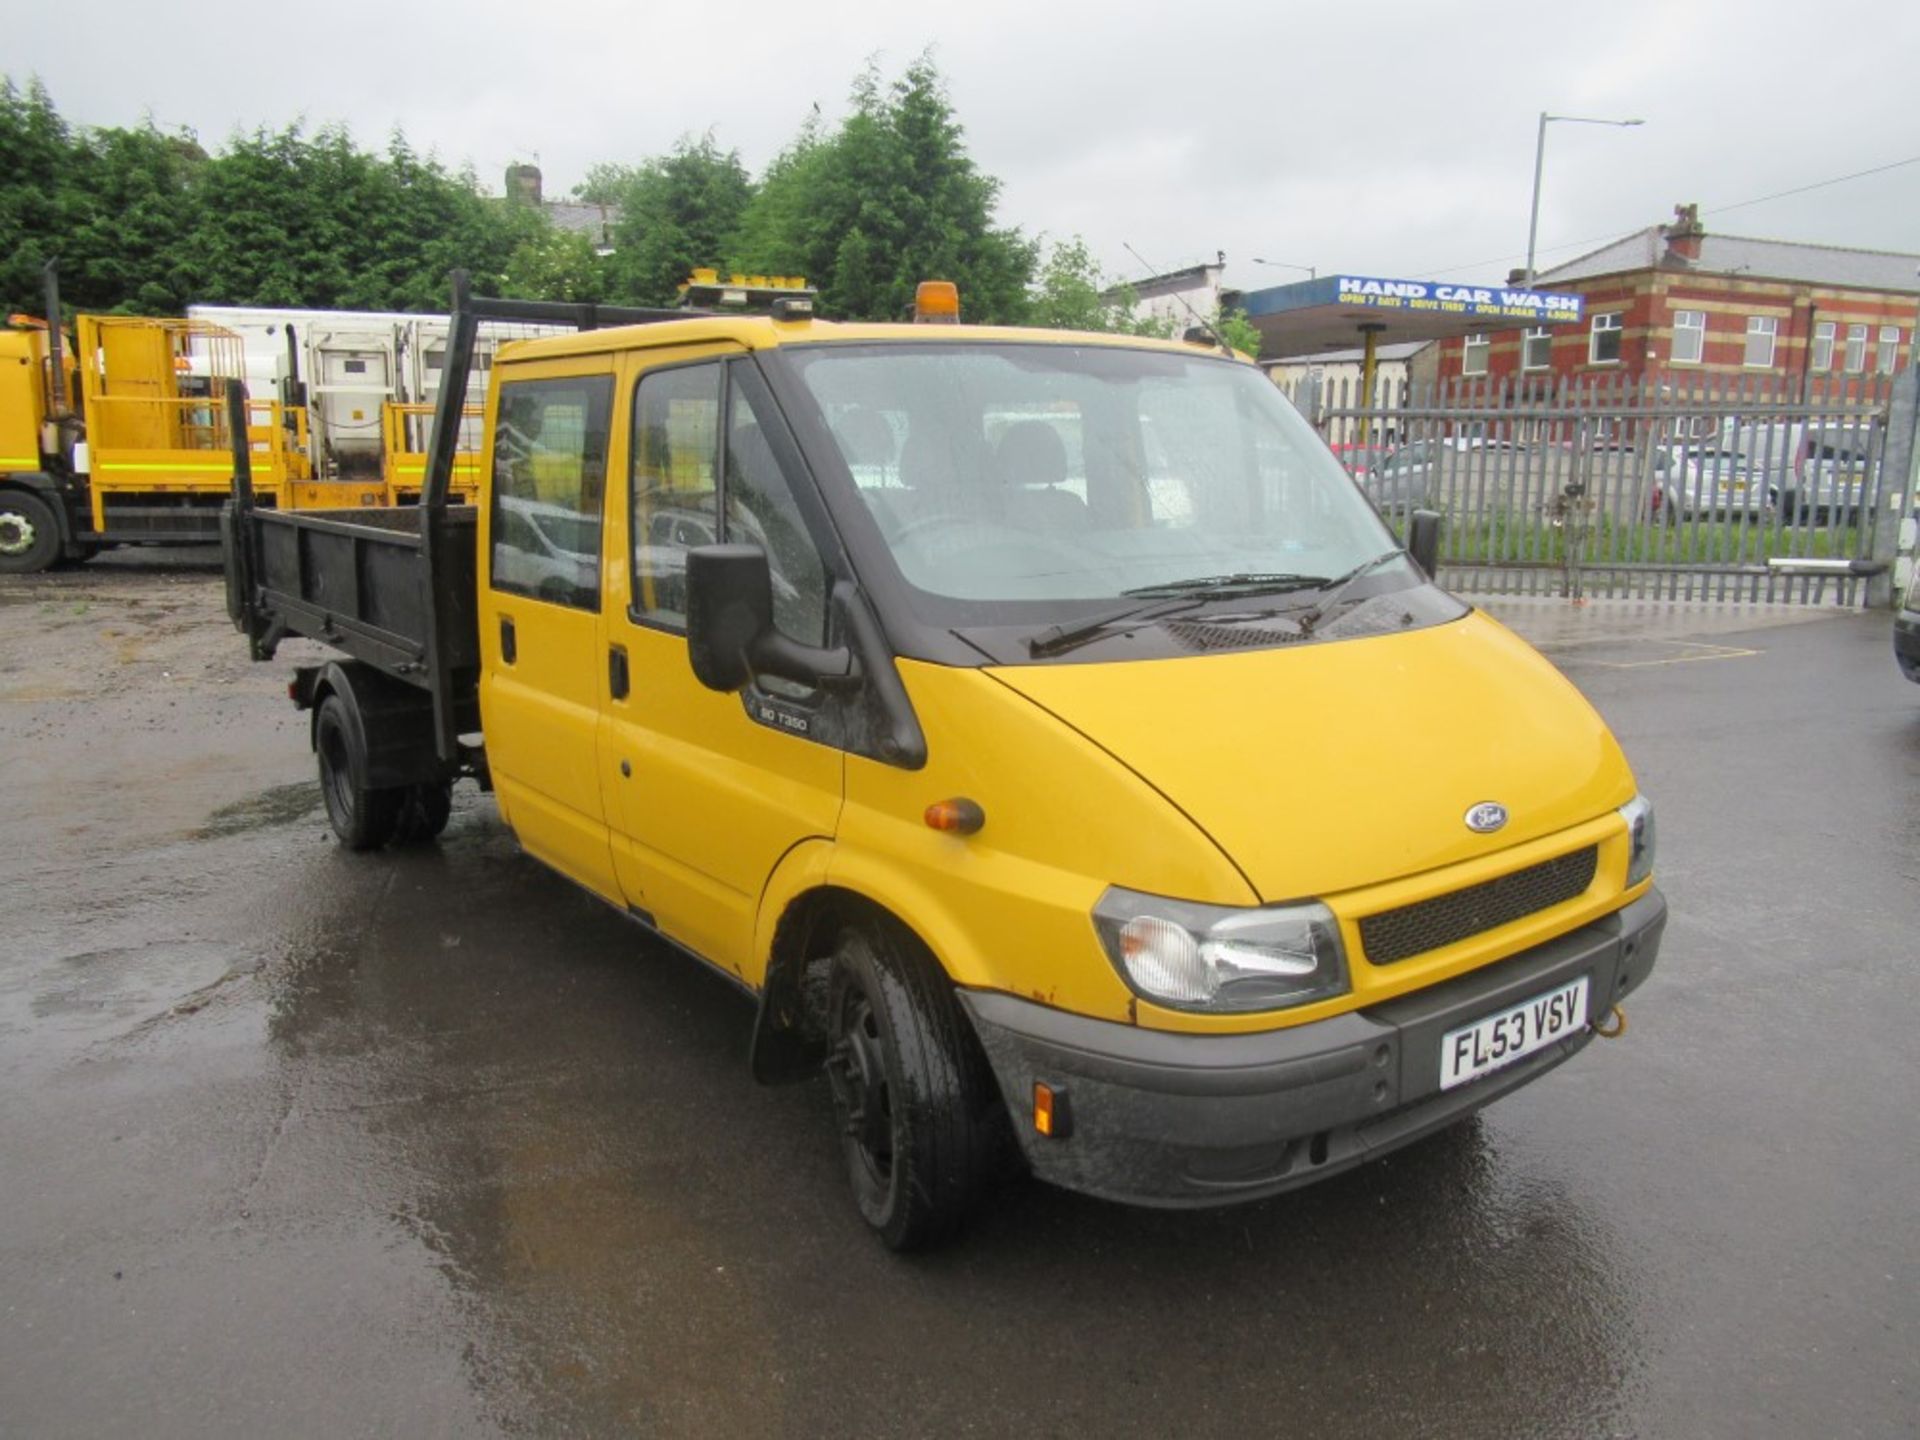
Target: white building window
point(1856, 349)
point(1823, 334)
point(1889, 350)
point(1761, 330)
point(1603, 346)
point(1689, 336)
point(1536, 349)
point(1473, 355)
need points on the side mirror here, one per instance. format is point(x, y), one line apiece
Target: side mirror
point(1423, 541)
point(730, 631)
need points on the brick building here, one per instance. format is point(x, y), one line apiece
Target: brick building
point(1673, 304)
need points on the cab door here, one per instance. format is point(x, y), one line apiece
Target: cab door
point(704, 799)
point(554, 436)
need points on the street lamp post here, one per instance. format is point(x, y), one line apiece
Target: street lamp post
point(1312, 274)
point(1539, 158)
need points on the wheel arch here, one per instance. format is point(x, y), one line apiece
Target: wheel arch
point(395, 719)
point(804, 910)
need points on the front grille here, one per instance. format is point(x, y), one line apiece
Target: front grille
point(1429, 924)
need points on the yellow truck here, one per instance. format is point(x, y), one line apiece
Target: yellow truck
point(1038, 726)
point(123, 438)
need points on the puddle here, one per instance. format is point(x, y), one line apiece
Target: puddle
point(282, 805)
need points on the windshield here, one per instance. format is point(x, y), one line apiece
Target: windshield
point(1014, 480)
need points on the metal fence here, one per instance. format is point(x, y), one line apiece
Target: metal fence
point(1721, 487)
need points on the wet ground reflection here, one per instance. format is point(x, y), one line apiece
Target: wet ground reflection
point(561, 1115)
point(430, 1144)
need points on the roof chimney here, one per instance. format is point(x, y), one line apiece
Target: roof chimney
point(1685, 234)
point(523, 184)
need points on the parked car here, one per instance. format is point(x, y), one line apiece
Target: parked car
point(1704, 480)
point(1829, 470)
point(1811, 471)
point(1405, 480)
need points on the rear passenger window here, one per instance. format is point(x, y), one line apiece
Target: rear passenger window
point(549, 478)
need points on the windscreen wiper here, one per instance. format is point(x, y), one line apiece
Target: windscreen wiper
point(1060, 638)
point(1337, 587)
point(1211, 587)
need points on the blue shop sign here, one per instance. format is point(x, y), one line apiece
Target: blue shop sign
point(1477, 302)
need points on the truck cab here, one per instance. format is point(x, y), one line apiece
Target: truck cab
point(1040, 727)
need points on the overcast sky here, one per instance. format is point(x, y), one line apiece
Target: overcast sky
point(1384, 138)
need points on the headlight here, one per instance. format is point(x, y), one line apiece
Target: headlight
point(1215, 957)
point(1638, 813)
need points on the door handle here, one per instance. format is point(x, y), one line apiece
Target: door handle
point(509, 648)
point(617, 679)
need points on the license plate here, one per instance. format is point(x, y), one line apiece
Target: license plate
point(1486, 1045)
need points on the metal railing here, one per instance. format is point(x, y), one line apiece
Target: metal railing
point(407, 430)
point(1726, 488)
point(140, 441)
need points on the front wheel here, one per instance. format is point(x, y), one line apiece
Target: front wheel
point(363, 818)
point(29, 533)
point(920, 1117)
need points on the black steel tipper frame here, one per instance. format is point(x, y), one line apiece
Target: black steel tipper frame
point(449, 409)
point(401, 597)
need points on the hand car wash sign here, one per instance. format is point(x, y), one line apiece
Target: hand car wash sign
point(1480, 302)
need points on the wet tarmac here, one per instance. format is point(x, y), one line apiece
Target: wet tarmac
point(299, 1142)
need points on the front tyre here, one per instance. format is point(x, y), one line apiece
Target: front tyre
point(363, 818)
point(29, 534)
point(920, 1117)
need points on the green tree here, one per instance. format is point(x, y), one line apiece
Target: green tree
point(1072, 293)
point(554, 264)
point(126, 217)
point(677, 211)
point(36, 150)
point(1233, 326)
point(887, 200)
point(604, 184)
point(287, 219)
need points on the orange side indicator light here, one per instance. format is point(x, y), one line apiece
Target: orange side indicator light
point(958, 816)
point(1051, 1117)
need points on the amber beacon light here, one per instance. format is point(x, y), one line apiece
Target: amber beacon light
point(936, 302)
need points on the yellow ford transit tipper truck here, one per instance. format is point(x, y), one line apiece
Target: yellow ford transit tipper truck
point(1039, 726)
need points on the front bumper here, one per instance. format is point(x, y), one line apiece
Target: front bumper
point(1906, 643)
point(1179, 1120)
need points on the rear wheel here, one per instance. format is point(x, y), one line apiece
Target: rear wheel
point(29, 533)
point(363, 818)
point(920, 1117)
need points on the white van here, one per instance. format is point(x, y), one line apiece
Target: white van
point(1809, 469)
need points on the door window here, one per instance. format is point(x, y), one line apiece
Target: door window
point(549, 475)
point(760, 510)
point(685, 482)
